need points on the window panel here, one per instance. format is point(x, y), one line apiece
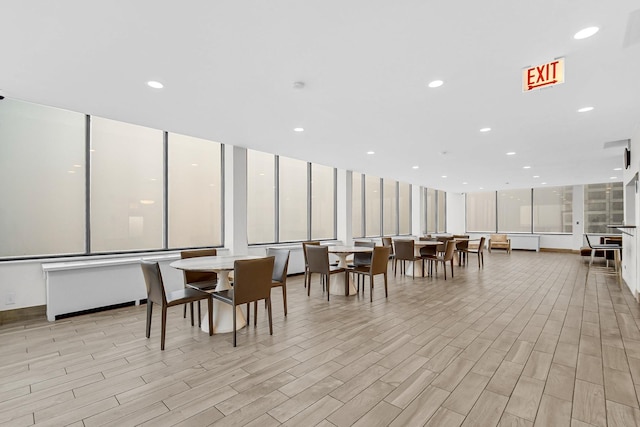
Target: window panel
point(481, 211)
point(432, 211)
point(195, 192)
point(356, 205)
point(603, 205)
point(514, 211)
point(404, 202)
point(126, 186)
point(390, 207)
point(322, 202)
point(261, 197)
point(553, 210)
point(293, 199)
point(442, 212)
point(372, 205)
point(42, 149)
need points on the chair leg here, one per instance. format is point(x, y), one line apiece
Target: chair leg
point(191, 311)
point(210, 301)
point(255, 313)
point(248, 314)
point(163, 332)
point(199, 316)
point(386, 293)
point(309, 287)
point(452, 269)
point(328, 280)
point(234, 324)
point(270, 318)
point(370, 287)
point(284, 298)
point(346, 283)
point(184, 311)
point(149, 310)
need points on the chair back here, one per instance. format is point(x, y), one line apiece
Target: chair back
point(588, 241)
point(444, 238)
point(360, 259)
point(252, 279)
point(198, 276)
point(304, 251)
point(462, 245)
point(280, 264)
point(481, 245)
point(502, 238)
point(387, 241)
point(449, 249)
point(380, 259)
point(153, 281)
point(404, 249)
point(318, 257)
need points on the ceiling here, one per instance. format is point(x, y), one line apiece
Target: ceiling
point(229, 67)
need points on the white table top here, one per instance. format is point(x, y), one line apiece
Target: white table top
point(210, 263)
point(349, 249)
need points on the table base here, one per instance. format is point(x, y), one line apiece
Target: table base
point(223, 318)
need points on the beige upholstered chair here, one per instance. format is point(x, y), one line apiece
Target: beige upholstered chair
point(157, 295)
point(379, 265)
point(252, 282)
point(500, 241)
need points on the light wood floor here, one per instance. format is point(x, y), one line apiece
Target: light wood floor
point(523, 342)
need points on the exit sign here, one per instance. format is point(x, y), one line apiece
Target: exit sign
point(545, 75)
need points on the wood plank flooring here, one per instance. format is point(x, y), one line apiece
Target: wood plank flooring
point(525, 342)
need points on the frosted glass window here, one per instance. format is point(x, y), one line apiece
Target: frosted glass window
point(514, 211)
point(356, 205)
point(195, 192)
point(390, 208)
point(261, 197)
point(553, 210)
point(603, 205)
point(430, 211)
point(293, 199)
point(442, 212)
point(42, 169)
point(126, 186)
point(481, 211)
point(404, 203)
point(372, 205)
point(323, 206)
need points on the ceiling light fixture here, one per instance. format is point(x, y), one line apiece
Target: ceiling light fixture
point(298, 129)
point(586, 33)
point(511, 153)
point(585, 109)
point(465, 183)
point(613, 177)
point(536, 176)
point(154, 84)
point(481, 188)
point(526, 167)
point(147, 202)
point(444, 176)
point(436, 83)
point(485, 129)
point(371, 152)
point(617, 169)
point(544, 183)
point(416, 167)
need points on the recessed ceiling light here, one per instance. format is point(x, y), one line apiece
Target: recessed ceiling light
point(511, 153)
point(613, 177)
point(544, 183)
point(416, 167)
point(481, 188)
point(444, 176)
point(526, 167)
point(585, 109)
point(585, 33)
point(298, 129)
point(617, 169)
point(154, 84)
point(485, 129)
point(77, 166)
point(194, 164)
point(436, 83)
point(147, 202)
point(371, 152)
point(465, 183)
point(71, 171)
point(536, 176)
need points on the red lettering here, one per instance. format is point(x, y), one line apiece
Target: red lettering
point(530, 76)
point(540, 70)
point(553, 66)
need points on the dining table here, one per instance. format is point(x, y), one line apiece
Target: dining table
point(341, 285)
point(223, 266)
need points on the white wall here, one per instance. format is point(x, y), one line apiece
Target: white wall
point(456, 207)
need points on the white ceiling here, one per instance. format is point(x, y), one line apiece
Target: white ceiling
point(229, 66)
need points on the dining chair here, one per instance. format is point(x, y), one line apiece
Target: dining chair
point(405, 252)
point(449, 249)
point(201, 280)
point(279, 276)
point(461, 250)
point(388, 241)
point(252, 282)
point(479, 250)
point(318, 257)
point(606, 248)
point(428, 254)
point(306, 259)
point(361, 259)
point(156, 294)
point(379, 265)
